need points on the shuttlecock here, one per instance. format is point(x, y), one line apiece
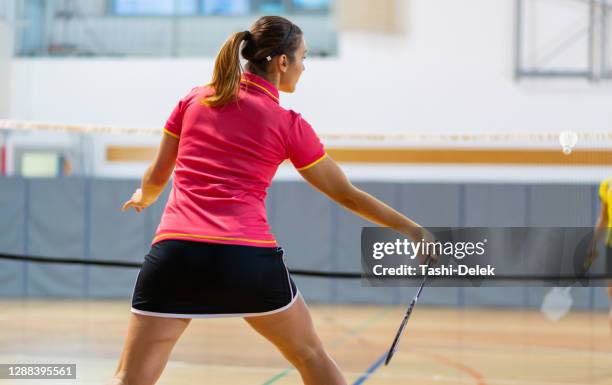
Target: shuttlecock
point(568, 140)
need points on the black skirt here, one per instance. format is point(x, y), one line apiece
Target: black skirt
point(186, 279)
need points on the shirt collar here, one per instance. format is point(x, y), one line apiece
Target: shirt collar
point(258, 84)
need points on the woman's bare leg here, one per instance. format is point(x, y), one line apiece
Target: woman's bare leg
point(292, 331)
point(147, 348)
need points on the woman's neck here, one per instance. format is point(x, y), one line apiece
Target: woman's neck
point(273, 78)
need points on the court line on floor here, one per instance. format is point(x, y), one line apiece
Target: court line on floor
point(480, 380)
point(476, 375)
point(490, 381)
point(471, 347)
point(340, 340)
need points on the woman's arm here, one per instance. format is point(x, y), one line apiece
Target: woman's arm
point(156, 176)
point(328, 178)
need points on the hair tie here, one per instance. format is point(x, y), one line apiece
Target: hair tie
point(247, 35)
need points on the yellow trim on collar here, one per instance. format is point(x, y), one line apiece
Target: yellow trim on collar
point(261, 87)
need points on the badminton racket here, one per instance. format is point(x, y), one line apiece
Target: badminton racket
point(407, 316)
point(557, 303)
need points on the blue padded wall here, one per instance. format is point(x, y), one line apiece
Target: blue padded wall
point(81, 218)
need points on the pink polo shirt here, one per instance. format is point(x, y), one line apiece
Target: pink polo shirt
point(226, 159)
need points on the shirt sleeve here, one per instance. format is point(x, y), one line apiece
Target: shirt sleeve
point(603, 189)
point(304, 147)
point(174, 123)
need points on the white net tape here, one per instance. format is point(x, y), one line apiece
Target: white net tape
point(500, 137)
point(22, 125)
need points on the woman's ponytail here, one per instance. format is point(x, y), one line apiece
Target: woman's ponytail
point(228, 71)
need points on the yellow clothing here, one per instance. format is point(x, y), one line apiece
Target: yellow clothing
point(605, 194)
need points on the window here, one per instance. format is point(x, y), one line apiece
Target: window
point(311, 5)
point(155, 7)
point(225, 7)
point(217, 7)
point(40, 164)
point(268, 6)
point(4, 12)
point(186, 28)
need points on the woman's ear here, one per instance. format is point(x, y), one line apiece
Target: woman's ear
point(283, 63)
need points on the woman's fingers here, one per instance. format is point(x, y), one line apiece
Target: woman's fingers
point(126, 205)
point(131, 203)
point(428, 238)
point(134, 201)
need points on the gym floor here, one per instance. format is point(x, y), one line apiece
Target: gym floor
point(440, 346)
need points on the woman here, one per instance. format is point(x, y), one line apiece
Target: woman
point(213, 253)
point(603, 228)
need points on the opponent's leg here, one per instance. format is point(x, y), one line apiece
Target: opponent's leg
point(292, 331)
point(610, 296)
point(147, 348)
point(609, 271)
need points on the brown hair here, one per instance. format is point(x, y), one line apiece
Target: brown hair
point(268, 37)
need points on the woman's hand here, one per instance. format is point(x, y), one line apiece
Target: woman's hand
point(137, 202)
point(426, 238)
point(156, 176)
